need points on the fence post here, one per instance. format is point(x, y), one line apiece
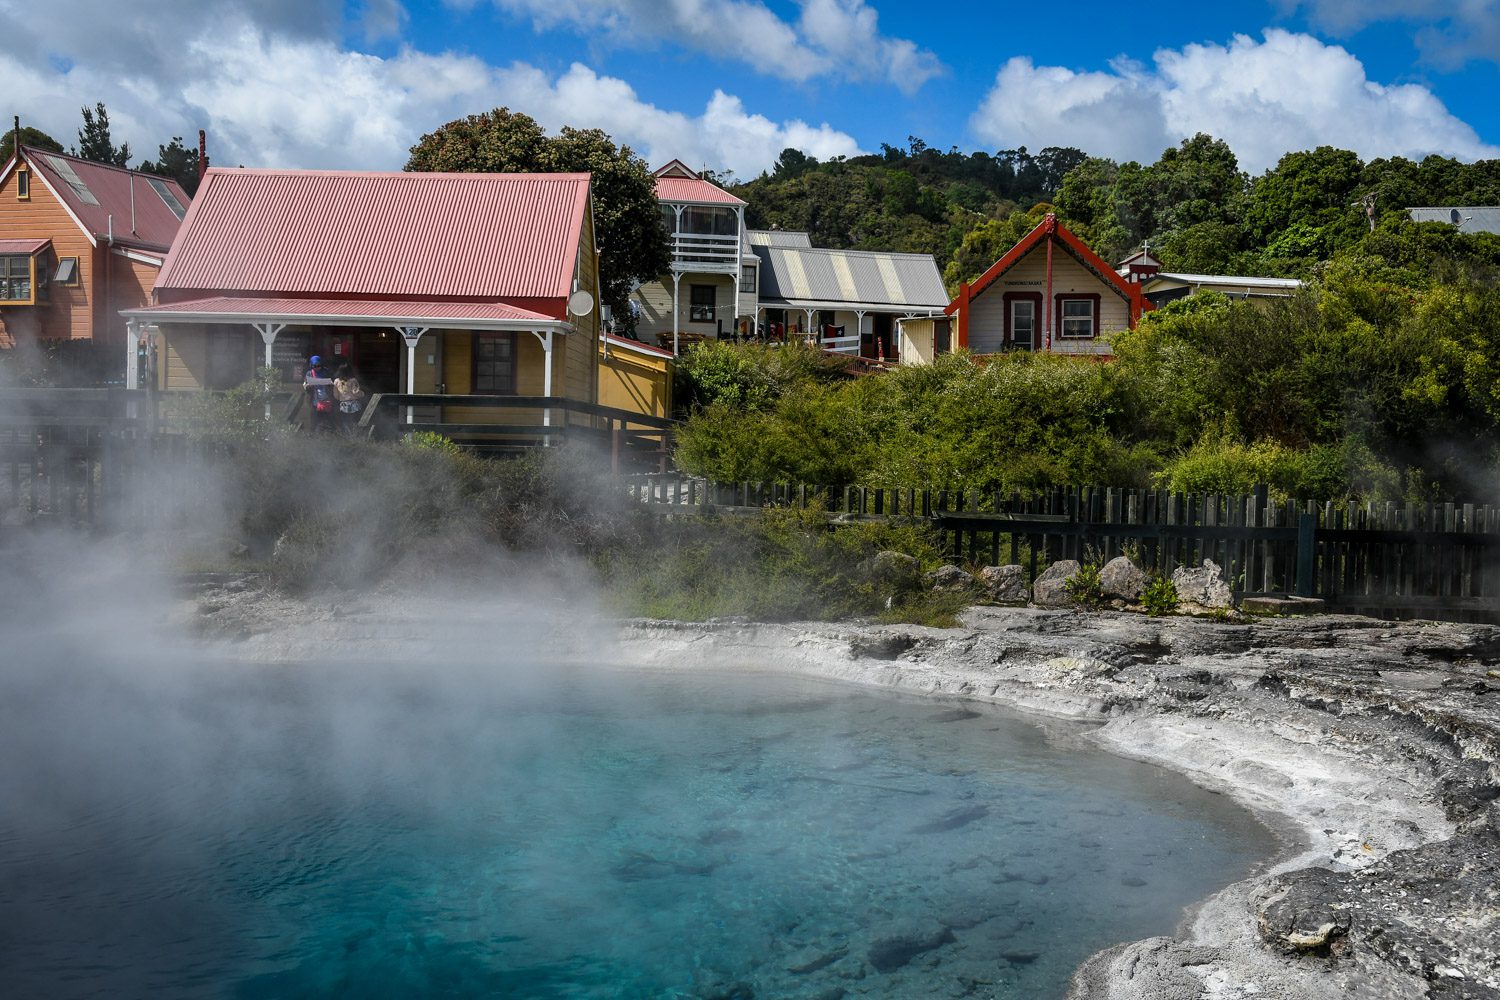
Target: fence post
point(1307, 526)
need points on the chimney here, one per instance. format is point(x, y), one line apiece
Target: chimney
point(202, 153)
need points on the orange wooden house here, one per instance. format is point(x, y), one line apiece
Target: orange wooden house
point(79, 241)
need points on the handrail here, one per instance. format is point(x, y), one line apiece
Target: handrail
point(400, 399)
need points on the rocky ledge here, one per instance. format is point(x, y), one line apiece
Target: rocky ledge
point(1375, 745)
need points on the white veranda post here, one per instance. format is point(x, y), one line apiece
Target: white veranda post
point(676, 284)
point(411, 334)
point(676, 274)
point(546, 341)
point(132, 354)
point(268, 332)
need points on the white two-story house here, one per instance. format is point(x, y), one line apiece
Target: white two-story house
point(710, 291)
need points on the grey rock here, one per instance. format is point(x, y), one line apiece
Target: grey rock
point(1202, 588)
point(1122, 579)
point(1005, 584)
point(812, 959)
point(950, 579)
point(893, 568)
point(1051, 588)
point(891, 952)
point(1304, 915)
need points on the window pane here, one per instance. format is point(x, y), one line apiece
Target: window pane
point(1078, 307)
point(493, 370)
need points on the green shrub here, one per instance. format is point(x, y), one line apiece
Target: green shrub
point(1159, 596)
point(781, 565)
point(1086, 587)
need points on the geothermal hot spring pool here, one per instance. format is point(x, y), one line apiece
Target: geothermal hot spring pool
point(334, 830)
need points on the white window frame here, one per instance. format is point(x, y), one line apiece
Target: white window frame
point(1092, 319)
point(1031, 305)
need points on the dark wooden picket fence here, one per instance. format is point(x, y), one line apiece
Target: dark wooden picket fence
point(70, 454)
point(1388, 560)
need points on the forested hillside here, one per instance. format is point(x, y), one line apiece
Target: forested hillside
point(1379, 381)
point(1194, 206)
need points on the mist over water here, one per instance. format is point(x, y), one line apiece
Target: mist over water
point(478, 816)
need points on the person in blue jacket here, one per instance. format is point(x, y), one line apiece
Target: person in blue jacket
point(319, 389)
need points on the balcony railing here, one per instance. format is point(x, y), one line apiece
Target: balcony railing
point(705, 252)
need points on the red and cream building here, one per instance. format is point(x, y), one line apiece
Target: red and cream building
point(1048, 293)
point(450, 284)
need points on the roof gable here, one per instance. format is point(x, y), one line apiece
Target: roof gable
point(134, 208)
point(344, 233)
point(676, 168)
point(680, 183)
point(1050, 228)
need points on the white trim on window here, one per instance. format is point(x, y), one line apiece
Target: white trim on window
point(1076, 323)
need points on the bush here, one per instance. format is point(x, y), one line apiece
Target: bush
point(782, 565)
point(1159, 596)
point(1086, 587)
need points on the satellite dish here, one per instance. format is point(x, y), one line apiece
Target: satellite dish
point(580, 303)
point(1455, 218)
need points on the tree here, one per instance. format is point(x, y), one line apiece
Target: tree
point(94, 141)
point(35, 138)
point(632, 243)
point(176, 161)
point(792, 162)
point(1313, 188)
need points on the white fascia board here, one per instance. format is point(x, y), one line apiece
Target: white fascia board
point(41, 175)
point(136, 255)
point(881, 307)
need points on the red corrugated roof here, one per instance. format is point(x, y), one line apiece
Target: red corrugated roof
point(102, 192)
point(636, 345)
point(687, 189)
point(315, 310)
point(486, 236)
point(27, 247)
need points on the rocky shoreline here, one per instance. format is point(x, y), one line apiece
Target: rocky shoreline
point(1374, 745)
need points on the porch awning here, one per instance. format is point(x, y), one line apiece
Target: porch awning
point(30, 248)
point(833, 305)
point(344, 312)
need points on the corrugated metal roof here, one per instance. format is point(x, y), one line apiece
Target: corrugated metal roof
point(27, 247)
point(418, 235)
point(853, 277)
point(1471, 218)
point(1247, 281)
point(376, 311)
point(637, 346)
point(778, 238)
point(693, 191)
point(95, 192)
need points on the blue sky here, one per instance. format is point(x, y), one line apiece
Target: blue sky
point(728, 83)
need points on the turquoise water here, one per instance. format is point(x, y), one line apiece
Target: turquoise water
point(338, 831)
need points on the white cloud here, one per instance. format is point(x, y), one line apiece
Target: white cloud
point(1116, 113)
point(848, 33)
point(1264, 98)
point(1451, 32)
point(725, 136)
point(838, 38)
point(271, 100)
